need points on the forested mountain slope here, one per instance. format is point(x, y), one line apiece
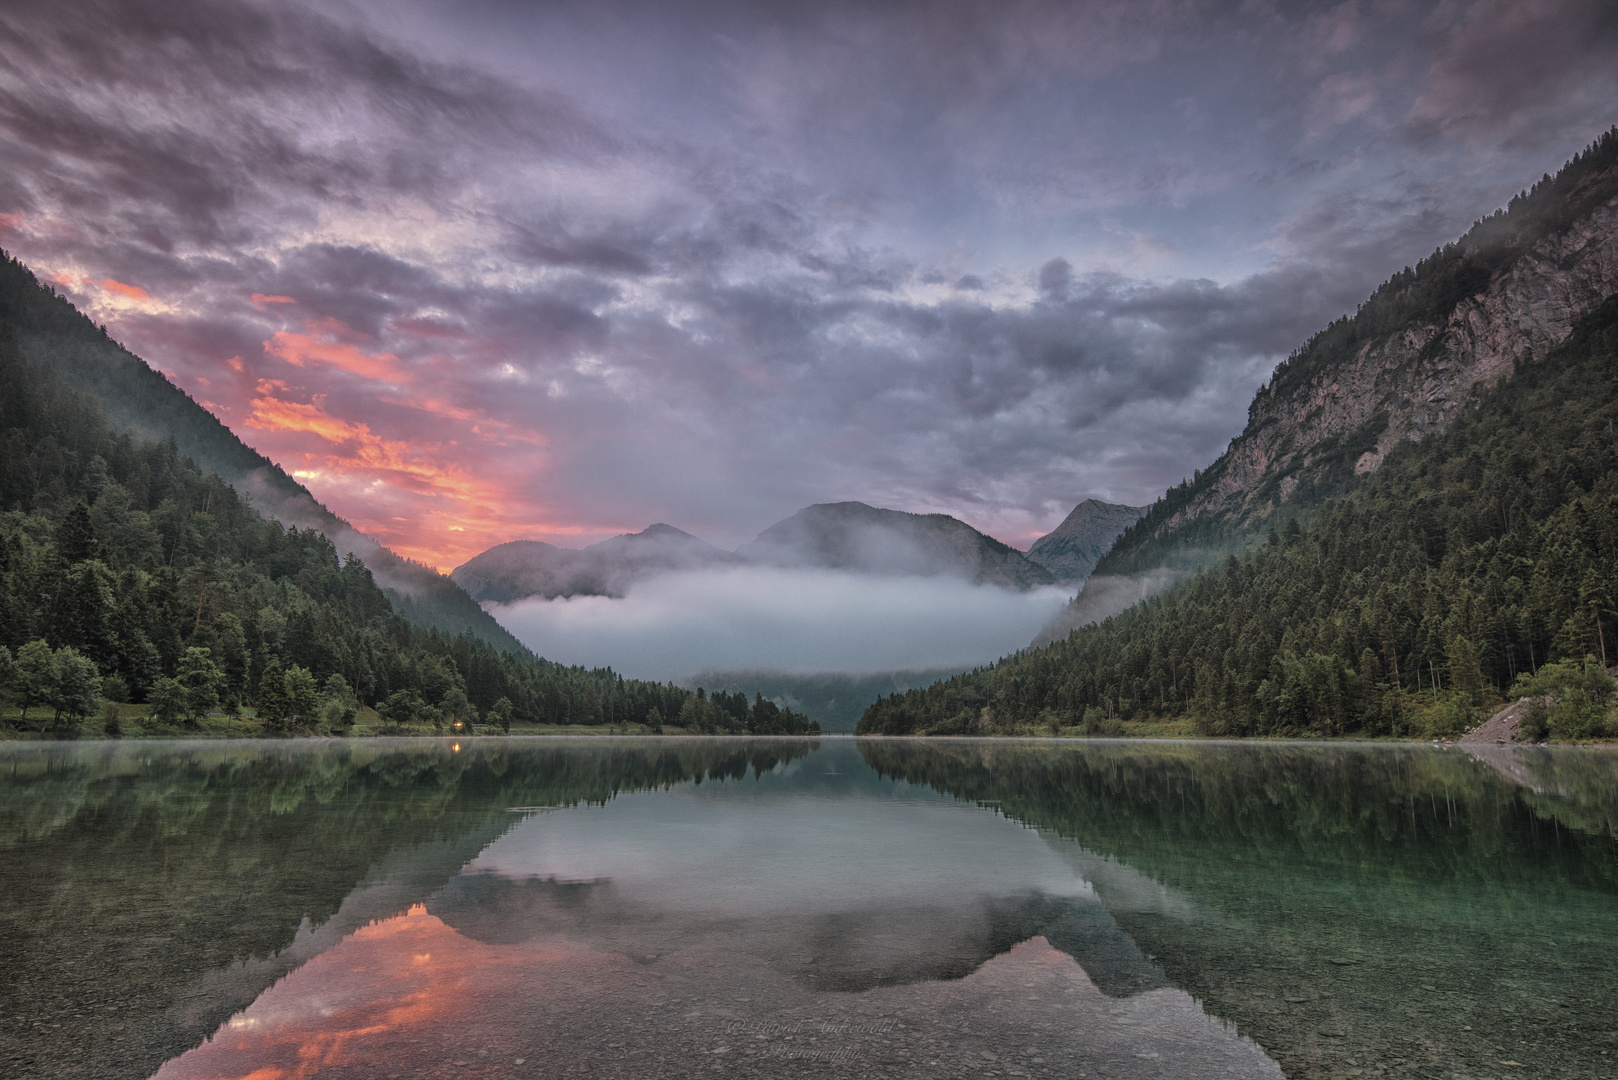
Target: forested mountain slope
point(1401, 367)
point(124, 551)
point(136, 399)
point(1468, 558)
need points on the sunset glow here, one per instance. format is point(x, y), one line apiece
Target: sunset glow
point(427, 499)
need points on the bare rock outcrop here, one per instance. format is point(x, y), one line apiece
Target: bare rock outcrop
point(1414, 381)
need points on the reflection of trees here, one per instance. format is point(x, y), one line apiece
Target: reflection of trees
point(134, 869)
point(1437, 813)
point(1327, 885)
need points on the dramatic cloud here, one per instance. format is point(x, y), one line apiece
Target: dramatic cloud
point(798, 621)
point(480, 271)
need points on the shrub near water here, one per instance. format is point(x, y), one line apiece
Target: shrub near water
point(1571, 700)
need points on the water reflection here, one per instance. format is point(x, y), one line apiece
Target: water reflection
point(154, 889)
point(1399, 910)
point(637, 907)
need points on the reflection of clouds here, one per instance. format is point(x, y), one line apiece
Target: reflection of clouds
point(882, 885)
point(717, 850)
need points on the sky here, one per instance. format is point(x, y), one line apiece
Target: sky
point(477, 271)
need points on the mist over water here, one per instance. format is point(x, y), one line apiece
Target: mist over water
point(795, 620)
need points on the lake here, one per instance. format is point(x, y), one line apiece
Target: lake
point(603, 907)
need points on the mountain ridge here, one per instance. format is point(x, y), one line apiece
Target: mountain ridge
point(1401, 368)
point(1419, 517)
point(869, 539)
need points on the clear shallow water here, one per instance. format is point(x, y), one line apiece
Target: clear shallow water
point(522, 908)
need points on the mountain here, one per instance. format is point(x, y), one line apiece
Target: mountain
point(1072, 549)
point(854, 536)
point(1389, 575)
point(1402, 368)
point(140, 401)
point(524, 568)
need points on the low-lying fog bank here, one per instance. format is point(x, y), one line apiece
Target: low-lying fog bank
point(801, 621)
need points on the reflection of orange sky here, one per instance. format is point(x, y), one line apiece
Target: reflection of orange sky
point(376, 997)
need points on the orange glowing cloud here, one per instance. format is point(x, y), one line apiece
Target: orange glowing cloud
point(264, 298)
point(128, 292)
point(303, 350)
point(414, 495)
point(110, 293)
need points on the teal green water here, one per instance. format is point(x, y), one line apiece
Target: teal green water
point(629, 907)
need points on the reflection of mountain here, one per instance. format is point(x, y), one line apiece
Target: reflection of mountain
point(409, 996)
point(854, 536)
point(842, 878)
point(1072, 549)
point(1304, 893)
point(524, 568)
point(151, 891)
point(834, 950)
point(1345, 889)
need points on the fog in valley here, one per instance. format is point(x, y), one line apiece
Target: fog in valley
point(788, 619)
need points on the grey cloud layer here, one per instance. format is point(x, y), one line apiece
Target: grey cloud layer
point(986, 259)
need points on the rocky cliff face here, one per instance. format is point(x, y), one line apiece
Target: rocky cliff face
point(1345, 415)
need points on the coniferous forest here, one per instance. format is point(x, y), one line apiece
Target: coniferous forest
point(127, 574)
point(1474, 564)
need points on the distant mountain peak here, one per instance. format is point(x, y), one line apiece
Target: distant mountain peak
point(1071, 550)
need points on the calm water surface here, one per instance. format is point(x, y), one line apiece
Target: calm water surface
point(642, 908)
